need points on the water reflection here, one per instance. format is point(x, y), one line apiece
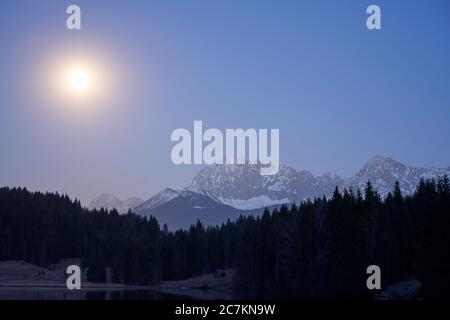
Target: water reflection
point(54, 294)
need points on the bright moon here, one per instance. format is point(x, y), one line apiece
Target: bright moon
point(79, 80)
point(83, 81)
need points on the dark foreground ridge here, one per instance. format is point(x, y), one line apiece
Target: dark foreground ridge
point(317, 250)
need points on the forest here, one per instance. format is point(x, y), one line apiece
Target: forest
point(318, 249)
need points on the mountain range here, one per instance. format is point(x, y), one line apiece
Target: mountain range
point(221, 192)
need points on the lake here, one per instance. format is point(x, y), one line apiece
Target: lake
point(64, 294)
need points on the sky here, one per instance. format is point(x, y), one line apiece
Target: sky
point(338, 92)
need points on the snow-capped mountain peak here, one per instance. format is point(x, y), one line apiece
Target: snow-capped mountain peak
point(383, 172)
point(242, 185)
point(161, 197)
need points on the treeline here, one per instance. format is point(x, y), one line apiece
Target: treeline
point(44, 228)
point(319, 249)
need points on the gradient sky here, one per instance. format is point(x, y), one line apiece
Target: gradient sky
point(338, 92)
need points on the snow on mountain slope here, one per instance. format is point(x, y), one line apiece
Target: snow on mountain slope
point(241, 186)
point(383, 171)
point(161, 197)
point(242, 183)
point(254, 203)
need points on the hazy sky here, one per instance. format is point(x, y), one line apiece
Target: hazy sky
point(338, 92)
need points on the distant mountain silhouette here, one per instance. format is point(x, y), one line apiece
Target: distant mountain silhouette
point(109, 201)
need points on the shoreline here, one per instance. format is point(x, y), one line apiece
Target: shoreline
point(204, 287)
point(62, 286)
